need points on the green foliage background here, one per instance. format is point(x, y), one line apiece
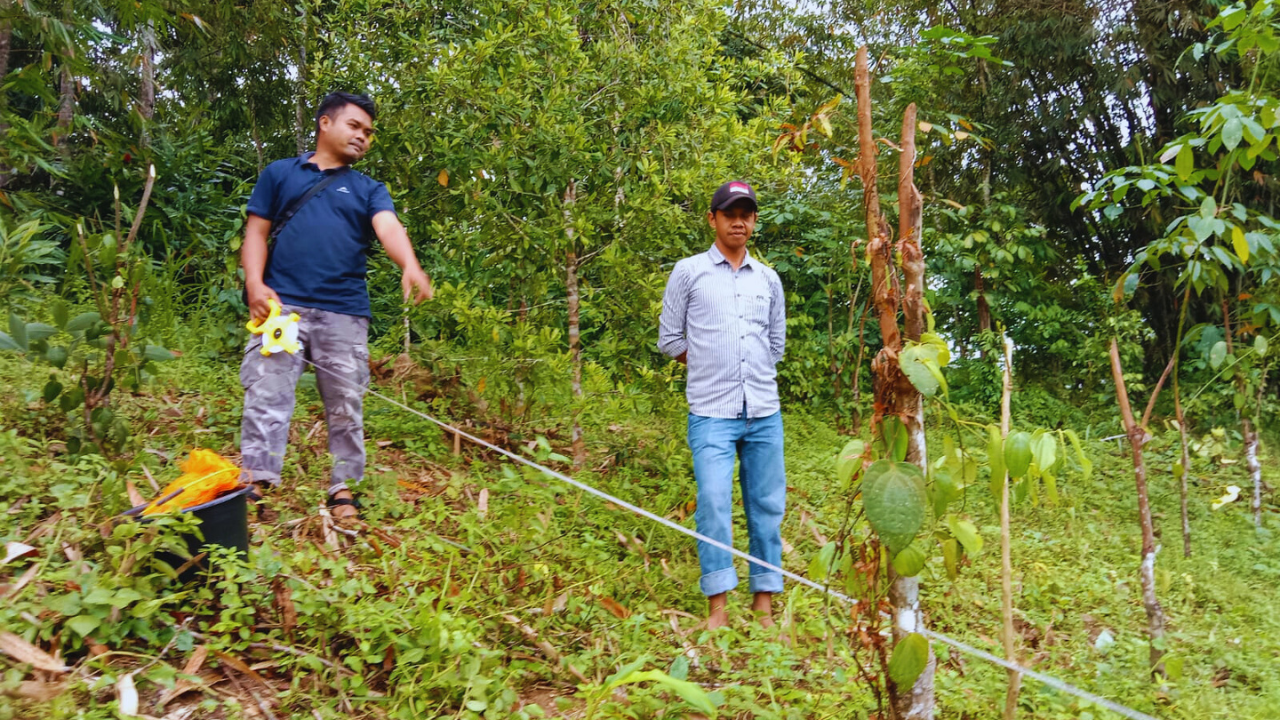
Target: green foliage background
point(1069, 155)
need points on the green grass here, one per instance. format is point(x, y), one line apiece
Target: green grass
point(558, 590)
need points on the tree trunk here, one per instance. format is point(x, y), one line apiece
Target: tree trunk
point(1255, 468)
point(147, 91)
point(253, 131)
point(1182, 429)
point(1147, 574)
point(573, 301)
point(984, 309)
point(1186, 469)
point(67, 90)
point(1247, 432)
point(894, 393)
point(66, 107)
point(6, 39)
point(299, 97)
point(1006, 552)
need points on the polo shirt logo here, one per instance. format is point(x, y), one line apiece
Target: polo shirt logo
point(344, 189)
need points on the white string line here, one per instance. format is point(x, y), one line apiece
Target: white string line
point(944, 639)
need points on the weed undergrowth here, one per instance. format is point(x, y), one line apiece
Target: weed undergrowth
point(481, 589)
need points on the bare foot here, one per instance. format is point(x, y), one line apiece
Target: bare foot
point(762, 606)
point(343, 511)
point(717, 612)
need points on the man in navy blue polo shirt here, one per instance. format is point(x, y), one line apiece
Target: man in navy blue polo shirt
point(316, 268)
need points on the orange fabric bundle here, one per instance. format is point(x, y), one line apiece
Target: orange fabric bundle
point(205, 476)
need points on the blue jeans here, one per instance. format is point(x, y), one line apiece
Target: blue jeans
point(757, 443)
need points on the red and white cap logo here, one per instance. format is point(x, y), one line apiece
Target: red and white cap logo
point(739, 188)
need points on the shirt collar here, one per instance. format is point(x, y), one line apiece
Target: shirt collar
point(718, 257)
point(305, 160)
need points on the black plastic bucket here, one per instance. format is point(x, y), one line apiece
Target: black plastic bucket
point(224, 522)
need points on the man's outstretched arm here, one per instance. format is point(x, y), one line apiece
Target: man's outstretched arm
point(395, 240)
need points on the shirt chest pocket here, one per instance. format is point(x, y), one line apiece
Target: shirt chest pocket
point(756, 309)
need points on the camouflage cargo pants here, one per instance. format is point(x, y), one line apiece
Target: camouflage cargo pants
point(338, 345)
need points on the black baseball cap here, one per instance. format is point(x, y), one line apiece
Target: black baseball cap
point(731, 193)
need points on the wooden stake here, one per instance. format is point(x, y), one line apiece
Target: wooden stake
point(1006, 554)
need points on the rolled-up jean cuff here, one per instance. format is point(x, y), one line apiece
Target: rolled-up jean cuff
point(765, 582)
point(336, 488)
point(259, 476)
point(719, 581)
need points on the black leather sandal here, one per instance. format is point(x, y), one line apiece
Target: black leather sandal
point(256, 492)
point(336, 501)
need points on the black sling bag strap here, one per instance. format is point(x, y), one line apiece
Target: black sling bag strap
point(287, 214)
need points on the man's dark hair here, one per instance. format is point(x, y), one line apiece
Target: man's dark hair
point(335, 101)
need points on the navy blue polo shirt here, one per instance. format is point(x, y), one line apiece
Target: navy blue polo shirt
point(320, 258)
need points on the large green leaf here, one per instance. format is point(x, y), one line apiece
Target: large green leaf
point(849, 460)
point(1050, 488)
point(7, 343)
point(1017, 453)
point(18, 331)
point(1184, 164)
point(820, 566)
point(951, 557)
point(1260, 345)
point(39, 331)
point(691, 693)
point(56, 356)
point(1217, 354)
point(967, 533)
point(59, 308)
point(82, 322)
point(84, 624)
point(71, 399)
point(157, 353)
point(920, 363)
point(895, 502)
point(893, 438)
point(910, 658)
point(945, 488)
point(1086, 465)
point(1044, 448)
point(995, 459)
point(1232, 133)
point(913, 557)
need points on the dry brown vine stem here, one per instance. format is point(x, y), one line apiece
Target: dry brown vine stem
point(1147, 572)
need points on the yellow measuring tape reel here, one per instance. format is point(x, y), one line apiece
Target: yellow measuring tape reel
point(279, 332)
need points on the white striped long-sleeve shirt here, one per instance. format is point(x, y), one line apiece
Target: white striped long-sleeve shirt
point(733, 325)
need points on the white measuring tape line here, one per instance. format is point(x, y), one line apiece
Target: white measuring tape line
point(939, 637)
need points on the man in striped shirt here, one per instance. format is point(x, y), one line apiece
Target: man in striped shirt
point(723, 316)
